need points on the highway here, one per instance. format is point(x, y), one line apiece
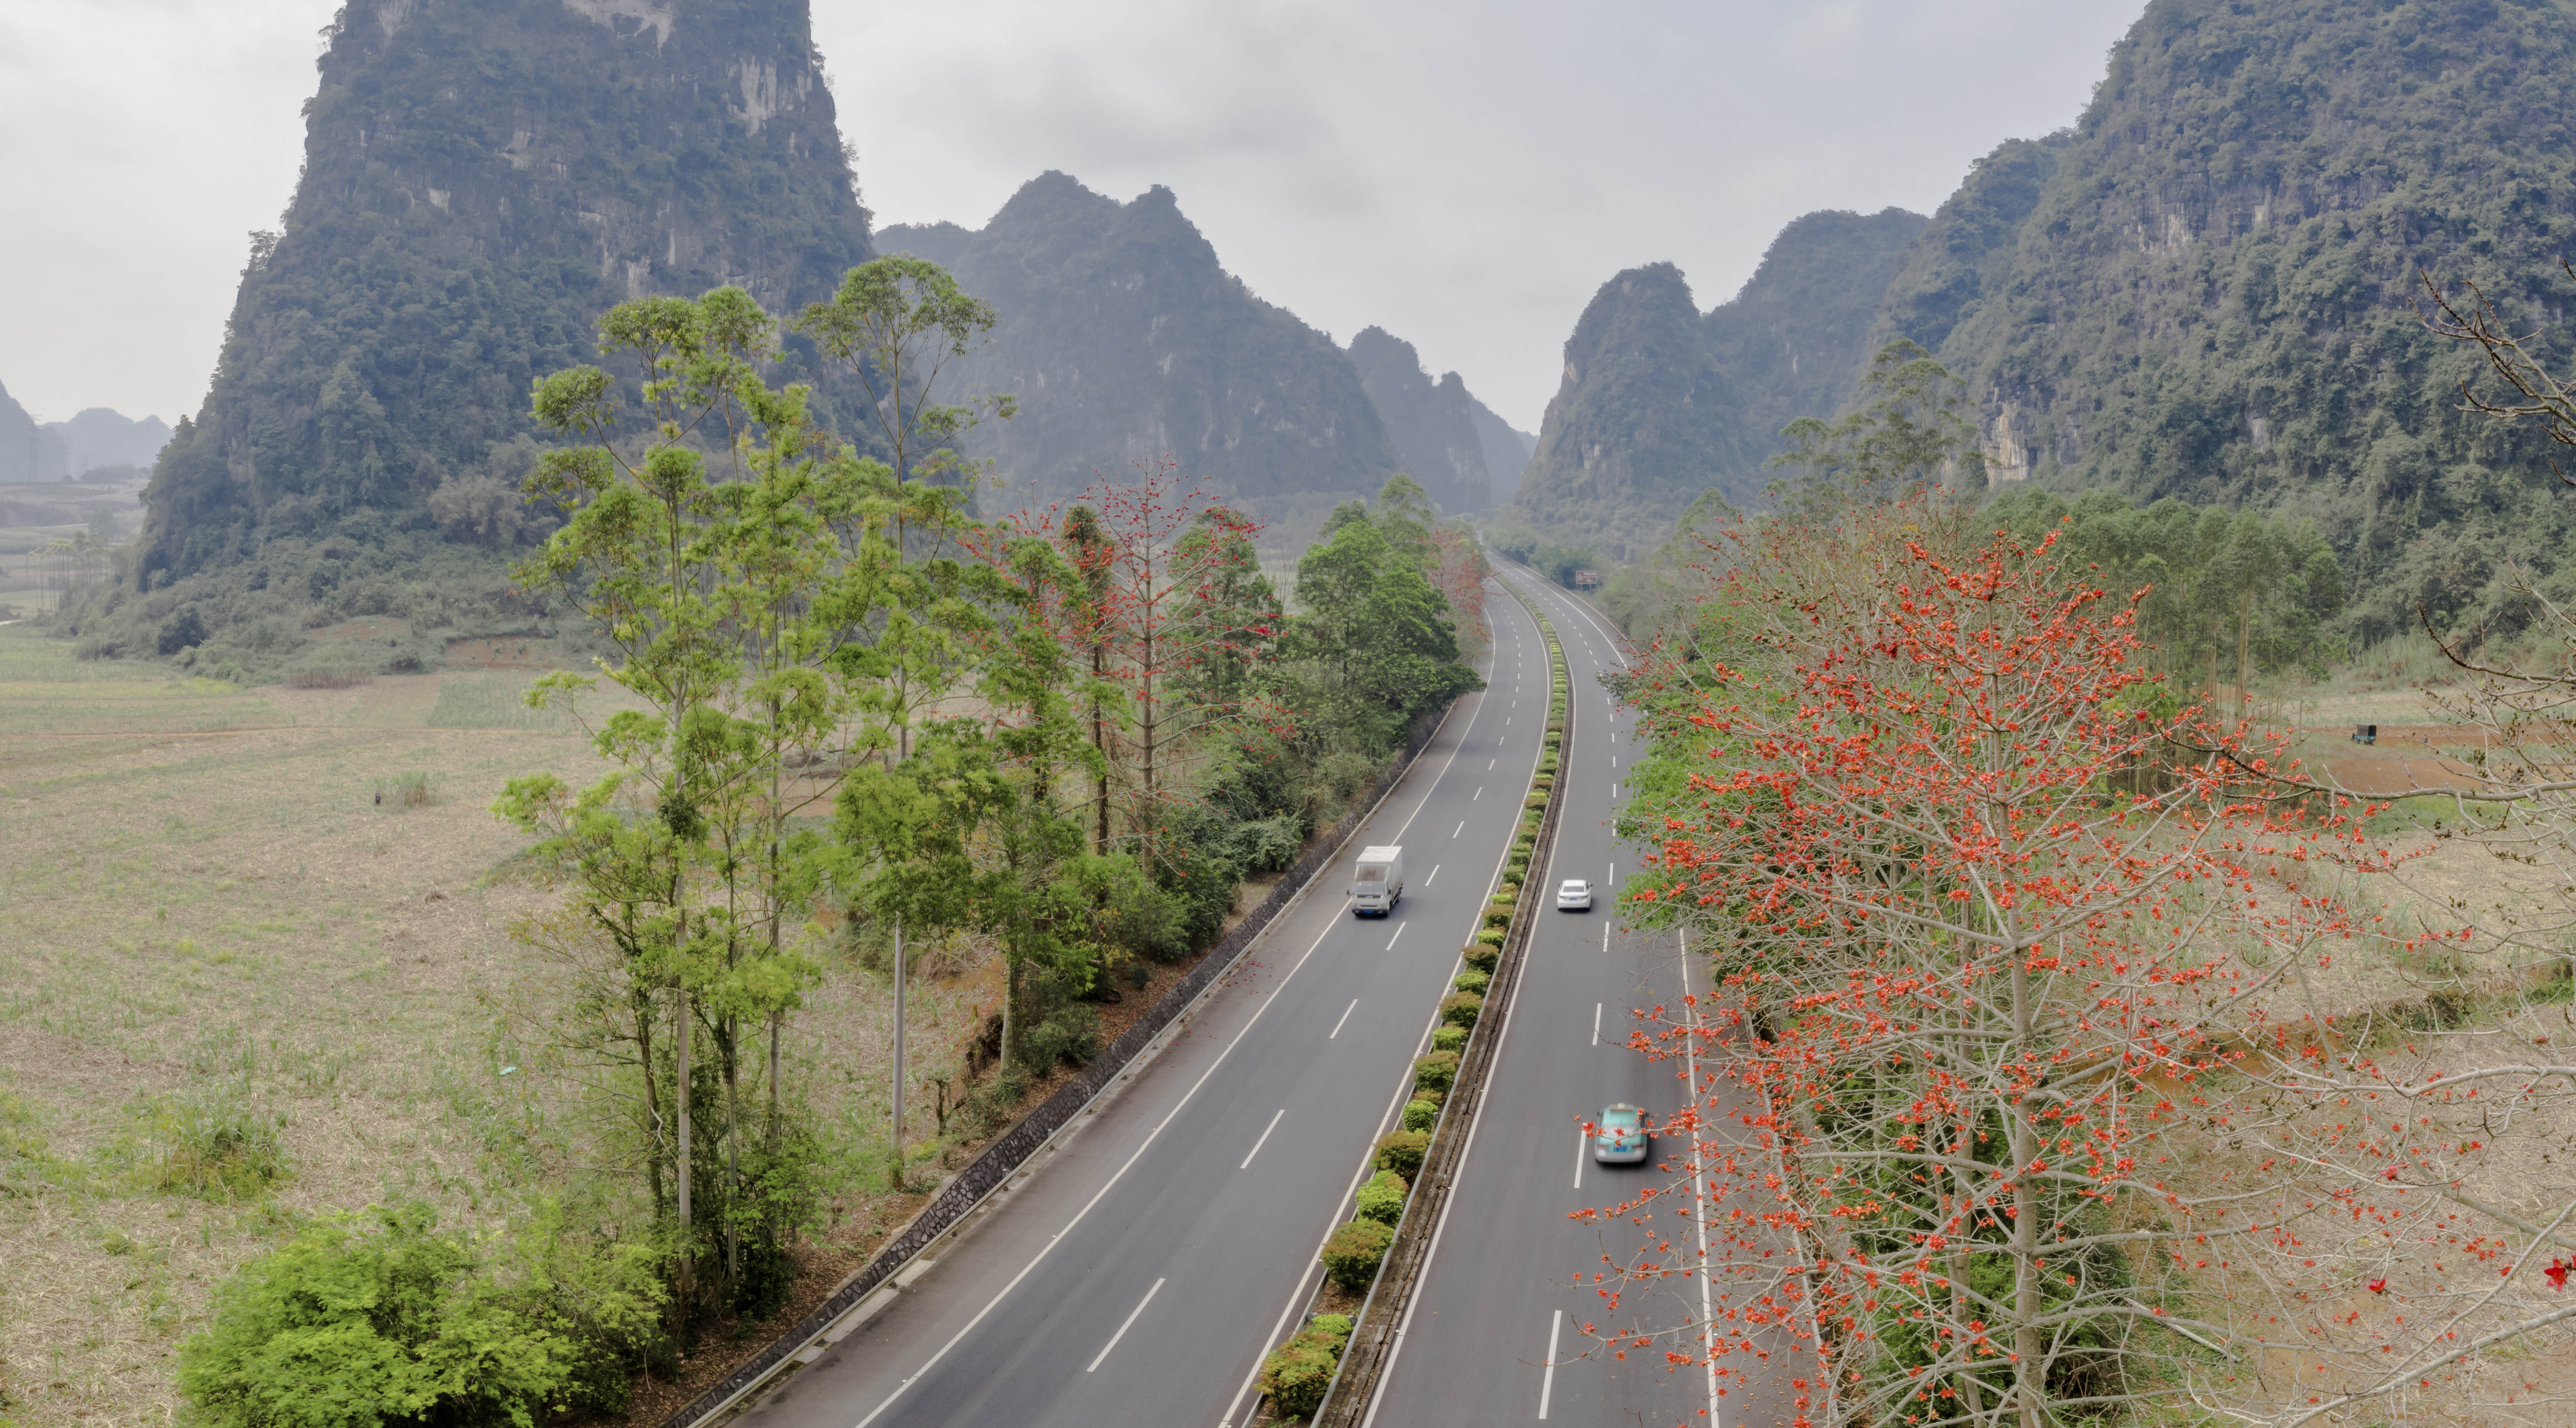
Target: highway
point(1139, 1275)
point(1493, 1333)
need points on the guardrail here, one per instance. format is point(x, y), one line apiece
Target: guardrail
point(1364, 1359)
point(993, 1168)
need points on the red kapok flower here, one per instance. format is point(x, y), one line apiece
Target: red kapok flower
point(2379, 1285)
point(2557, 1272)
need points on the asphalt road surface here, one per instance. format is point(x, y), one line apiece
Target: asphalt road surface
point(1138, 1277)
point(1493, 1334)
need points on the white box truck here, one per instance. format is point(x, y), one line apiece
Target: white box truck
point(1378, 881)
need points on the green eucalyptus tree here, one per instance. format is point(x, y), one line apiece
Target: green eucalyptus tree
point(752, 574)
point(896, 323)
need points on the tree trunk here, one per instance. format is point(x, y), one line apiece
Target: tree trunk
point(2245, 657)
point(898, 1053)
point(681, 1100)
point(730, 1043)
point(2029, 1380)
point(1100, 744)
point(652, 1099)
point(1010, 1012)
point(1964, 1201)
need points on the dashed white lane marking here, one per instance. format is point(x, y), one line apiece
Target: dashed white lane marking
point(1345, 1016)
point(1131, 1323)
point(1547, 1385)
point(1246, 1165)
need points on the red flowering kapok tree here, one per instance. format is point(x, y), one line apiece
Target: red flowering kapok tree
point(2023, 1095)
point(1460, 573)
point(1170, 614)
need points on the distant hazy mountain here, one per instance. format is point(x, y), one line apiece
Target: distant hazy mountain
point(1659, 403)
point(1433, 424)
point(1125, 340)
point(99, 437)
point(1507, 451)
point(482, 179)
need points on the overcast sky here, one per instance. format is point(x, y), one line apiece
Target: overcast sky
point(1462, 174)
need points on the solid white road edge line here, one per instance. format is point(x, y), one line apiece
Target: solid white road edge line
point(1177, 1107)
point(1346, 1016)
point(1699, 1184)
point(1123, 1328)
point(1258, 1144)
point(1403, 1092)
point(1457, 1177)
point(1106, 1186)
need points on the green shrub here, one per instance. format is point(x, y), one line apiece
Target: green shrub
point(1351, 1256)
point(1070, 1035)
point(183, 630)
point(1449, 1038)
point(1297, 1373)
point(408, 1325)
point(1461, 1008)
point(1482, 954)
point(1402, 1150)
point(1491, 939)
point(1270, 844)
point(1382, 1198)
point(1421, 1115)
point(209, 1146)
point(1474, 980)
point(1437, 1071)
point(1150, 922)
point(1498, 915)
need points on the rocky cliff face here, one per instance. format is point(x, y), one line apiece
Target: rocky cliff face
point(482, 178)
point(2203, 289)
point(97, 437)
point(1641, 423)
point(1659, 403)
point(1125, 340)
point(1432, 424)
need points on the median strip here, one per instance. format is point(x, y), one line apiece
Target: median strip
point(1331, 1368)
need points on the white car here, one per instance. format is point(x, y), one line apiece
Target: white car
point(1574, 895)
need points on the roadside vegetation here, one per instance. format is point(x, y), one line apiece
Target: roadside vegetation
point(849, 738)
point(2079, 1053)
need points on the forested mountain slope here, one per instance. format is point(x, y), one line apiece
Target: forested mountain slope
point(1431, 424)
point(2204, 288)
point(1507, 450)
point(483, 178)
point(1125, 340)
point(1660, 403)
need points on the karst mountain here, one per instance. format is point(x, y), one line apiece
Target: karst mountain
point(2209, 286)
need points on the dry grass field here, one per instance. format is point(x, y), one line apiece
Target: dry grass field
point(214, 929)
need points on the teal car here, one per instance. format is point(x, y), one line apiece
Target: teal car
point(1620, 1137)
